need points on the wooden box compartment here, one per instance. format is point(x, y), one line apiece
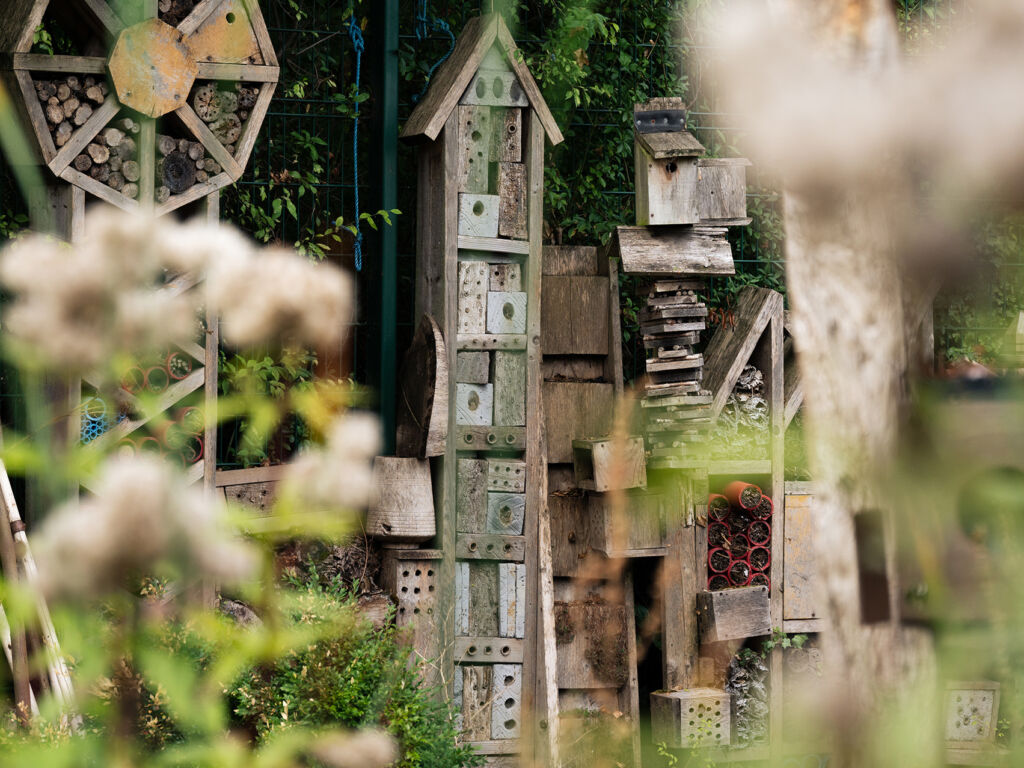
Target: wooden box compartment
point(601, 465)
point(733, 614)
point(694, 717)
point(638, 529)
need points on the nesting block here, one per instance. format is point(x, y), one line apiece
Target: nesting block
point(506, 312)
point(694, 717)
point(476, 598)
point(414, 586)
point(512, 195)
point(733, 614)
point(478, 215)
point(404, 508)
point(476, 701)
point(510, 389)
point(505, 513)
point(972, 712)
point(471, 495)
point(472, 367)
point(508, 136)
point(638, 528)
point(508, 696)
point(608, 464)
point(506, 277)
point(472, 310)
point(506, 475)
point(666, 189)
point(474, 404)
point(475, 131)
point(512, 600)
point(495, 88)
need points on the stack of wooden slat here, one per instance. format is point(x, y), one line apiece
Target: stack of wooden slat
point(676, 407)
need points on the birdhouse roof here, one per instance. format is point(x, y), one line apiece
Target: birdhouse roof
point(454, 75)
point(668, 143)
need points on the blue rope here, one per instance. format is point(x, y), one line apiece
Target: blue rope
point(424, 26)
point(356, 34)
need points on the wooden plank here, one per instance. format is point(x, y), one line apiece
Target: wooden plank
point(496, 244)
point(571, 534)
point(36, 117)
point(512, 206)
point(472, 367)
point(483, 599)
point(575, 315)
point(512, 600)
point(591, 635)
point(572, 260)
point(188, 116)
point(86, 133)
point(44, 62)
point(422, 418)
point(246, 142)
point(259, 27)
point(478, 215)
point(629, 527)
point(488, 650)
point(106, 16)
point(414, 586)
point(477, 700)
point(509, 388)
point(147, 162)
point(661, 146)
point(666, 190)
point(490, 438)
point(733, 614)
point(269, 474)
point(506, 277)
point(477, 546)
point(731, 346)
point(508, 475)
point(793, 384)
point(471, 495)
point(609, 464)
point(238, 73)
point(491, 341)
point(101, 191)
point(613, 369)
point(194, 193)
point(473, 282)
point(199, 13)
point(722, 189)
point(545, 704)
point(679, 618)
point(494, 88)
point(672, 250)
point(475, 134)
point(507, 131)
point(505, 513)
point(800, 575)
point(20, 20)
point(539, 110)
point(210, 352)
point(575, 410)
point(506, 714)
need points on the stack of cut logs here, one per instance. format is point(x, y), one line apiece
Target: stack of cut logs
point(181, 164)
point(173, 12)
point(111, 157)
point(675, 406)
point(68, 103)
point(224, 110)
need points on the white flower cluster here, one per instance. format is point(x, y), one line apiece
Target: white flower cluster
point(143, 515)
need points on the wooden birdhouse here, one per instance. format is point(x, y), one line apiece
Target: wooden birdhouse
point(481, 128)
point(159, 110)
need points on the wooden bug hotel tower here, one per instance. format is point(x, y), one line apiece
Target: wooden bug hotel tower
point(481, 129)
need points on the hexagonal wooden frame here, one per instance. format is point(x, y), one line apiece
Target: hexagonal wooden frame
point(205, 24)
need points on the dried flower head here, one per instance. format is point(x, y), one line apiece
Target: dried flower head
point(144, 518)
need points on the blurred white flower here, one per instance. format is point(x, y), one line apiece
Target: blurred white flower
point(362, 749)
point(144, 516)
point(339, 475)
point(279, 297)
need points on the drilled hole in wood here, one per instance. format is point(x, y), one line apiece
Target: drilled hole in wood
point(476, 136)
point(670, 167)
point(417, 571)
point(416, 591)
point(490, 547)
point(471, 651)
point(474, 401)
point(498, 87)
point(509, 703)
point(505, 650)
point(487, 649)
point(430, 572)
point(478, 210)
point(508, 310)
point(509, 679)
point(510, 724)
point(514, 92)
point(230, 18)
point(415, 610)
point(405, 589)
point(405, 573)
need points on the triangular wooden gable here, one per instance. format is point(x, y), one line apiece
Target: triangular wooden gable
point(454, 75)
point(733, 343)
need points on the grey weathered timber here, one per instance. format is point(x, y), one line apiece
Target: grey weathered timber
point(632, 527)
point(506, 714)
point(471, 495)
point(422, 417)
point(512, 600)
point(403, 511)
point(414, 586)
point(508, 136)
point(592, 633)
point(478, 215)
point(666, 190)
point(477, 700)
point(578, 310)
point(668, 250)
point(512, 206)
point(475, 131)
point(722, 190)
point(505, 513)
point(474, 404)
point(800, 574)
point(506, 277)
point(693, 717)
point(490, 341)
point(509, 388)
point(608, 464)
point(731, 346)
point(507, 475)
point(487, 546)
point(494, 88)
point(490, 438)
point(472, 367)
point(733, 614)
point(473, 281)
point(506, 312)
point(488, 650)
point(573, 260)
point(575, 410)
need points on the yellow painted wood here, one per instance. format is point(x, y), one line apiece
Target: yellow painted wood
point(153, 68)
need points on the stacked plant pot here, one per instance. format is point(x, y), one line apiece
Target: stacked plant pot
point(739, 537)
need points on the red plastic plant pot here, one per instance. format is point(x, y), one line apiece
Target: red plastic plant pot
point(178, 365)
point(742, 494)
point(760, 558)
point(760, 580)
point(759, 532)
point(157, 378)
point(764, 509)
point(739, 573)
point(148, 444)
point(191, 420)
point(719, 560)
point(739, 520)
point(738, 546)
point(718, 507)
point(717, 582)
point(718, 535)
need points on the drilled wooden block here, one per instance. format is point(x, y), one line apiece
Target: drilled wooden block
point(506, 475)
point(471, 495)
point(474, 404)
point(472, 310)
point(506, 277)
point(972, 712)
point(506, 711)
point(495, 89)
point(505, 513)
point(508, 133)
point(733, 614)
point(721, 189)
point(493, 438)
point(257, 495)
point(472, 367)
point(608, 464)
point(488, 650)
point(512, 600)
point(476, 598)
point(414, 586)
point(634, 527)
point(666, 189)
point(475, 137)
point(695, 717)
point(485, 546)
point(506, 312)
point(510, 389)
point(478, 215)
point(477, 701)
point(512, 194)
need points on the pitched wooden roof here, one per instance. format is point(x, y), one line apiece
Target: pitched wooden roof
point(454, 75)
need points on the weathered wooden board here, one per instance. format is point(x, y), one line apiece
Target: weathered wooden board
point(575, 315)
point(152, 68)
point(506, 714)
point(476, 598)
point(488, 650)
point(666, 190)
point(506, 277)
point(414, 585)
point(733, 614)
point(505, 513)
point(478, 215)
point(472, 297)
point(480, 546)
point(575, 410)
point(573, 260)
point(571, 533)
point(474, 404)
point(591, 637)
point(509, 388)
point(477, 698)
point(722, 190)
point(800, 569)
point(472, 367)
point(695, 717)
point(475, 131)
point(506, 312)
point(512, 208)
point(403, 510)
point(471, 495)
point(221, 37)
point(662, 146)
point(495, 88)
point(507, 475)
point(508, 136)
point(490, 438)
point(607, 464)
point(258, 496)
point(422, 412)
point(669, 250)
point(512, 600)
point(636, 529)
